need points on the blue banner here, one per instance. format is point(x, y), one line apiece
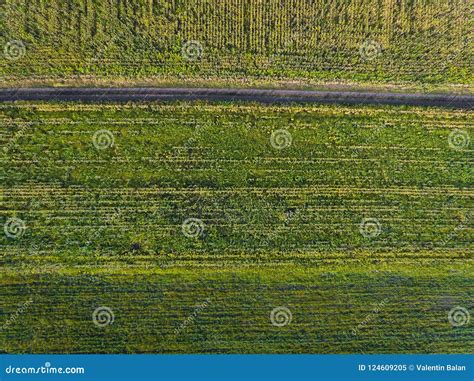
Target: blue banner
point(237, 367)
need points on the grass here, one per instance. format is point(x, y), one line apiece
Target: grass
point(329, 307)
point(279, 224)
point(422, 45)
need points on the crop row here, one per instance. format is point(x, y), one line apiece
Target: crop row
point(326, 312)
point(384, 40)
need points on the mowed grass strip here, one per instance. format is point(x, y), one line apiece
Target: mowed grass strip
point(331, 212)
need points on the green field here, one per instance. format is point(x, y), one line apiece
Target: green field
point(192, 222)
point(422, 44)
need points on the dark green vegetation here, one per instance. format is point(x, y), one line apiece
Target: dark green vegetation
point(280, 194)
point(328, 307)
point(243, 42)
